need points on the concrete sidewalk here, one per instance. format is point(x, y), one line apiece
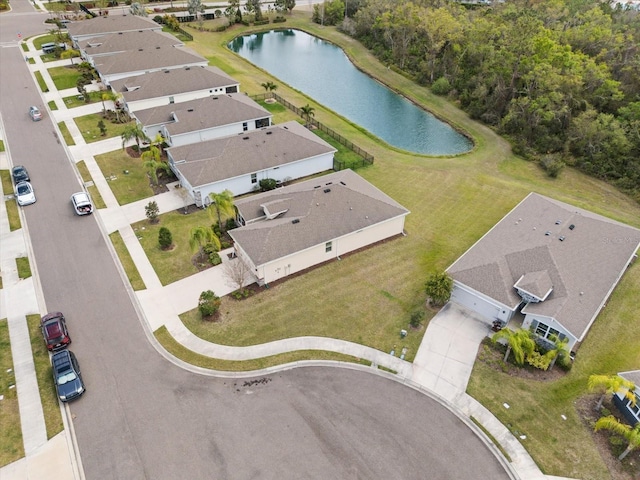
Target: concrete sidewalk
point(442, 365)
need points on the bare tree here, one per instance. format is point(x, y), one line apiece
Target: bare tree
point(237, 273)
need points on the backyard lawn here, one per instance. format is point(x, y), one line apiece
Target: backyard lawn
point(127, 177)
point(64, 77)
point(90, 129)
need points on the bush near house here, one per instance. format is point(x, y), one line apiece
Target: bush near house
point(208, 304)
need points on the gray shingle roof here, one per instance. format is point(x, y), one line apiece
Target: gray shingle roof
point(172, 82)
point(146, 59)
point(111, 24)
point(203, 113)
point(349, 205)
point(582, 262)
point(633, 376)
point(249, 152)
point(124, 41)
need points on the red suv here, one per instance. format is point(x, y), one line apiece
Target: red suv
point(54, 331)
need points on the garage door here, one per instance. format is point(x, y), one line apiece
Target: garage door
point(479, 305)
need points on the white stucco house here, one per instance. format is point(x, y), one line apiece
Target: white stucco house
point(289, 229)
point(237, 163)
point(164, 87)
point(553, 262)
point(113, 43)
point(203, 119)
point(630, 410)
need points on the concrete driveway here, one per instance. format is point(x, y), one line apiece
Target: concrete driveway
point(448, 350)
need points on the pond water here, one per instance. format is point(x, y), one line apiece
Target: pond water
point(322, 71)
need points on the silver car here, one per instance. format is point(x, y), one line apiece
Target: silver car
point(81, 203)
point(25, 194)
point(35, 114)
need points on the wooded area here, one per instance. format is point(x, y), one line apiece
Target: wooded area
point(561, 79)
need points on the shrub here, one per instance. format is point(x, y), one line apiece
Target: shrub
point(210, 248)
point(152, 211)
point(279, 19)
point(267, 184)
point(416, 318)
point(441, 86)
point(225, 244)
point(537, 360)
point(230, 224)
point(208, 303)
point(564, 362)
point(552, 165)
point(158, 19)
point(214, 259)
point(165, 239)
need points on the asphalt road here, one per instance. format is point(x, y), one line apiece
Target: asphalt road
point(143, 417)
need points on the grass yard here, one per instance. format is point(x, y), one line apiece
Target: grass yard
point(66, 134)
point(1, 146)
point(44, 374)
point(38, 42)
point(453, 202)
point(24, 270)
point(280, 113)
point(88, 126)
point(64, 77)
point(127, 187)
point(11, 445)
point(5, 178)
point(177, 350)
point(172, 265)
point(73, 101)
point(98, 202)
point(41, 82)
point(127, 262)
point(13, 215)
point(52, 105)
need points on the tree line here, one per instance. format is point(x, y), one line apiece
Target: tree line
point(560, 79)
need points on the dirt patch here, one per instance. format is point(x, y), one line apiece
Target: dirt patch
point(609, 446)
point(189, 209)
point(133, 152)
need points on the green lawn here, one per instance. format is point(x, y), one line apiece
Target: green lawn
point(73, 101)
point(127, 262)
point(175, 264)
point(1, 146)
point(176, 349)
point(11, 446)
point(52, 105)
point(44, 374)
point(41, 82)
point(98, 202)
point(24, 270)
point(13, 215)
point(5, 178)
point(38, 42)
point(64, 77)
point(88, 126)
point(66, 134)
point(127, 187)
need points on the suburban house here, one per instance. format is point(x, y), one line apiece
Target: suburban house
point(106, 25)
point(238, 162)
point(177, 85)
point(139, 61)
point(125, 41)
point(289, 229)
point(552, 262)
point(630, 411)
point(203, 119)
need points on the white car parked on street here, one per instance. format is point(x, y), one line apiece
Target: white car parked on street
point(82, 203)
point(25, 194)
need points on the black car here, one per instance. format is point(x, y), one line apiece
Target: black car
point(66, 375)
point(20, 174)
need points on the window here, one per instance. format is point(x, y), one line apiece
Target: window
point(328, 247)
point(245, 127)
point(171, 100)
point(254, 178)
point(545, 331)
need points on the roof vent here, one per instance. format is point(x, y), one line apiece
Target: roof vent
point(558, 222)
point(119, 33)
point(190, 110)
point(326, 190)
point(269, 132)
point(295, 220)
point(328, 183)
point(572, 226)
point(188, 68)
point(140, 49)
point(157, 48)
point(343, 183)
point(245, 138)
point(167, 71)
point(317, 186)
point(547, 233)
point(561, 239)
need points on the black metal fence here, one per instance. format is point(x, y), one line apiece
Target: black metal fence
point(367, 158)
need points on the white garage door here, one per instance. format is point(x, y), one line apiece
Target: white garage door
point(468, 300)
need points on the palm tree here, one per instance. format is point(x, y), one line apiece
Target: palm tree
point(200, 236)
point(269, 86)
point(133, 131)
point(520, 342)
point(307, 112)
point(223, 205)
point(559, 348)
point(610, 384)
point(631, 434)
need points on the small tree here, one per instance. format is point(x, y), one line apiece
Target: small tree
point(307, 112)
point(610, 384)
point(267, 184)
point(631, 435)
point(237, 273)
point(195, 7)
point(152, 211)
point(438, 288)
point(520, 342)
point(200, 236)
point(133, 132)
point(138, 9)
point(223, 205)
point(103, 128)
point(208, 303)
point(165, 239)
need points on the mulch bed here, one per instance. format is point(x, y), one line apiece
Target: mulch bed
point(627, 469)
